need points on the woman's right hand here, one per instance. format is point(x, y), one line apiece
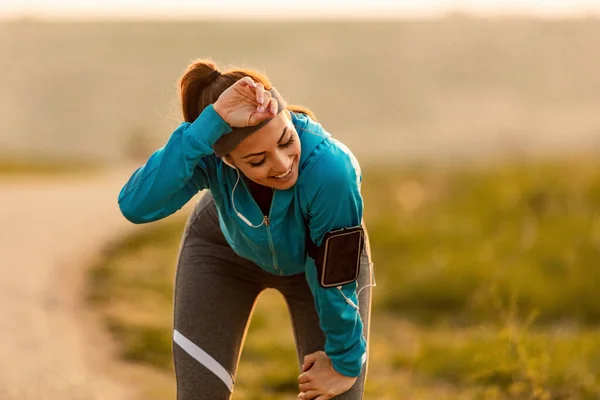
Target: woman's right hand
point(245, 103)
point(320, 381)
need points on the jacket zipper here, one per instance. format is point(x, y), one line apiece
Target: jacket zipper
point(271, 245)
point(267, 221)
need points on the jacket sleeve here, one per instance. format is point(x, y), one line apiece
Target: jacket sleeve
point(174, 173)
point(335, 203)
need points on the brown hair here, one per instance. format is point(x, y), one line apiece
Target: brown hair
point(195, 97)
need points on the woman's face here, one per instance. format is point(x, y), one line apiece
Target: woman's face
point(270, 156)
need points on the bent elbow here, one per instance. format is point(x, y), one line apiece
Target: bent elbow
point(132, 214)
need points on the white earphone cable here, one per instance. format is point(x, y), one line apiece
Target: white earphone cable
point(372, 278)
point(350, 302)
point(239, 214)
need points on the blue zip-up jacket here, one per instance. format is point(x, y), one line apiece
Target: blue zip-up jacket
point(326, 197)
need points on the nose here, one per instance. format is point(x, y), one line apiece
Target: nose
point(281, 163)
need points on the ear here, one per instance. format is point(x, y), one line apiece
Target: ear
point(227, 160)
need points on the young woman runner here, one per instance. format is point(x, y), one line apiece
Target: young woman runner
point(278, 186)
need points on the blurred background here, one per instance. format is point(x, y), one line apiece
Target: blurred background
point(477, 127)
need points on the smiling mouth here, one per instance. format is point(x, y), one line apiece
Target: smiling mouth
point(285, 175)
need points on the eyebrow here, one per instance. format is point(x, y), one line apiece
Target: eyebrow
point(263, 152)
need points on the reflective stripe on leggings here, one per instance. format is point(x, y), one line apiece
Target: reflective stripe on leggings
point(203, 358)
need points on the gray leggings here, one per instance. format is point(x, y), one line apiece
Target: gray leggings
point(215, 294)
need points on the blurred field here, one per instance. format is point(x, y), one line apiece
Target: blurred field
point(26, 165)
point(485, 226)
point(450, 88)
point(486, 288)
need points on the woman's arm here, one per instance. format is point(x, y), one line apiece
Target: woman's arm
point(177, 171)
point(174, 173)
point(335, 202)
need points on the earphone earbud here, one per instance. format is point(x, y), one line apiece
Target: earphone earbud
point(228, 163)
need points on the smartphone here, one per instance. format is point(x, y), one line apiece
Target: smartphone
point(341, 257)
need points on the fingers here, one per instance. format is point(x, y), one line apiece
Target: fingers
point(309, 360)
point(273, 106)
point(266, 102)
point(246, 81)
point(307, 386)
point(266, 110)
point(260, 97)
point(305, 367)
point(264, 99)
point(304, 378)
point(258, 117)
point(311, 394)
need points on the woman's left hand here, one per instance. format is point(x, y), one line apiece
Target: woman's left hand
point(319, 380)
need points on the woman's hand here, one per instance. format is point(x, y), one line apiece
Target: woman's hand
point(245, 103)
point(319, 380)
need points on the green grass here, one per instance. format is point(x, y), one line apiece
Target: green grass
point(486, 288)
point(528, 231)
point(513, 360)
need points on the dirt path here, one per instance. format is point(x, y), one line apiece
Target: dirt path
point(50, 229)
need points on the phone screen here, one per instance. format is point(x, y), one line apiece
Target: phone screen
point(342, 260)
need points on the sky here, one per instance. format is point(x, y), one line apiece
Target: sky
point(102, 9)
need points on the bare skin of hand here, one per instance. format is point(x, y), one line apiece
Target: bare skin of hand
point(245, 103)
point(319, 380)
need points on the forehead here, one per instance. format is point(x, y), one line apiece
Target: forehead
point(265, 138)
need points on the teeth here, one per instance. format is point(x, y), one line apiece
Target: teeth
point(285, 173)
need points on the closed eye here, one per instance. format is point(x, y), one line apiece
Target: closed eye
point(257, 164)
point(288, 143)
point(283, 146)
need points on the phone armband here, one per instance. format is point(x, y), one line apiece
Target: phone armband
point(338, 257)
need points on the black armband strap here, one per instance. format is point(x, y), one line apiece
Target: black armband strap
point(338, 257)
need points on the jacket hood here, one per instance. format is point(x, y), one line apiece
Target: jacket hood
point(311, 135)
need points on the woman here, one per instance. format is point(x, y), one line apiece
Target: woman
point(278, 185)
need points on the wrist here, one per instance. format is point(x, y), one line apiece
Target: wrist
point(219, 110)
point(346, 370)
point(209, 126)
